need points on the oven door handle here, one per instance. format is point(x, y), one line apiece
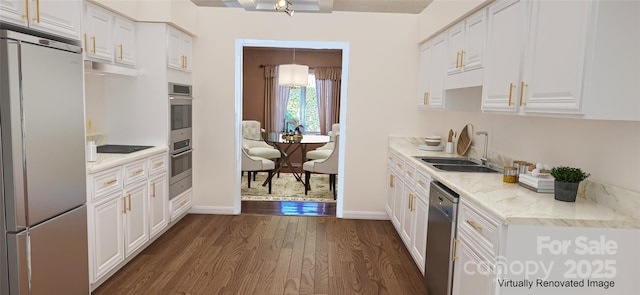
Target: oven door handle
point(182, 153)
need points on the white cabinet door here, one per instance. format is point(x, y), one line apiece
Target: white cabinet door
point(174, 55)
point(505, 37)
point(97, 36)
point(475, 36)
point(187, 49)
point(472, 273)
point(435, 97)
point(418, 247)
point(554, 59)
point(124, 41)
point(424, 75)
point(398, 204)
point(456, 46)
point(14, 12)
point(136, 221)
point(58, 17)
point(408, 197)
point(106, 238)
point(390, 193)
point(158, 204)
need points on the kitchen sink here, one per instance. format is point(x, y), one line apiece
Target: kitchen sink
point(465, 168)
point(455, 161)
point(457, 164)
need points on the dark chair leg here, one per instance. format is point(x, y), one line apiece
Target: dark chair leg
point(249, 179)
point(254, 175)
point(270, 172)
point(331, 180)
point(307, 176)
point(334, 186)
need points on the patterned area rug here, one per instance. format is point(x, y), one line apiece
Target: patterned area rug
point(287, 188)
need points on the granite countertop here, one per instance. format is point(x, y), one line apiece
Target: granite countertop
point(511, 203)
point(106, 161)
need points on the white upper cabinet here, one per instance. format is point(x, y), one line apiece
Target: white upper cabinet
point(179, 50)
point(124, 41)
point(433, 67)
point(98, 28)
point(61, 18)
point(555, 56)
point(504, 52)
point(466, 43)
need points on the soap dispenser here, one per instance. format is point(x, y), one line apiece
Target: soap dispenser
point(92, 151)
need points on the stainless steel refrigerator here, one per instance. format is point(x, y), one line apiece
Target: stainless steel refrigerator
point(44, 216)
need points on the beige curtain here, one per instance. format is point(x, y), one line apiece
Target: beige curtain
point(269, 98)
point(328, 83)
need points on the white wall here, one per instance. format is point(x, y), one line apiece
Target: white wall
point(382, 80)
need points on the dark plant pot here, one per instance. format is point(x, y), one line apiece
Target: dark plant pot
point(565, 191)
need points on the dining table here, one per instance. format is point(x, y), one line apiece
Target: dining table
point(287, 147)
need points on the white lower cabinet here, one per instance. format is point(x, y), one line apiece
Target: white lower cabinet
point(158, 205)
point(473, 272)
point(106, 234)
point(135, 218)
point(127, 208)
point(408, 206)
point(179, 205)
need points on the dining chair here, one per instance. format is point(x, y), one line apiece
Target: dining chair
point(256, 164)
point(324, 166)
point(324, 151)
point(253, 141)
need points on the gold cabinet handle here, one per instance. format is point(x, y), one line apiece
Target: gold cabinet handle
point(186, 62)
point(474, 225)
point(399, 166)
point(409, 205)
point(112, 181)
point(120, 46)
point(391, 181)
point(522, 87)
point(139, 171)
point(453, 249)
point(85, 42)
point(129, 197)
point(462, 58)
point(511, 86)
point(37, 19)
point(93, 40)
point(26, 5)
point(426, 98)
point(124, 205)
point(421, 183)
point(153, 189)
point(409, 173)
point(159, 164)
point(457, 59)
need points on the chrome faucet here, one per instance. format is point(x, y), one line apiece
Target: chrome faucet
point(484, 158)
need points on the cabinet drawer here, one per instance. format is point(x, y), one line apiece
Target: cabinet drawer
point(135, 171)
point(105, 182)
point(180, 205)
point(158, 164)
point(423, 180)
point(480, 227)
point(398, 163)
point(409, 172)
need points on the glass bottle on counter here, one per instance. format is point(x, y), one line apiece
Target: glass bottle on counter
point(509, 175)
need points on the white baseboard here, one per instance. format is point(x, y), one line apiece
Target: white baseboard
point(372, 215)
point(211, 210)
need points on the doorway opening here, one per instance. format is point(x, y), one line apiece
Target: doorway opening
point(253, 109)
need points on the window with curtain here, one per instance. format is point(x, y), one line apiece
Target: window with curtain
point(302, 107)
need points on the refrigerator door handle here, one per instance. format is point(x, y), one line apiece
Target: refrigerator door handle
point(13, 132)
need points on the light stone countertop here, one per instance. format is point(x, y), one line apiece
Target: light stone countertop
point(513, 204)
point(106, 161)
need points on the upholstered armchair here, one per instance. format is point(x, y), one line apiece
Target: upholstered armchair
point(324, 151)
point(324, 166)
point(256, 164)
point(253, 142)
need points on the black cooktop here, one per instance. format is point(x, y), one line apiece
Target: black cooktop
point(121, 149)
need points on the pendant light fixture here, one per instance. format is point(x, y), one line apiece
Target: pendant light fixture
point(293, 75)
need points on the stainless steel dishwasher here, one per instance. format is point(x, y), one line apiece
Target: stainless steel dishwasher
point(441, 231)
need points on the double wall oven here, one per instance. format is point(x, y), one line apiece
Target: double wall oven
point(180, 150)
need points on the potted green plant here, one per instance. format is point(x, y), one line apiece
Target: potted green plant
point(567, 180)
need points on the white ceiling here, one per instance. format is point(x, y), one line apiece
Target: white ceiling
point(325, 6)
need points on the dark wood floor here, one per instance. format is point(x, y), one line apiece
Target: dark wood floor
point(263, 254)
